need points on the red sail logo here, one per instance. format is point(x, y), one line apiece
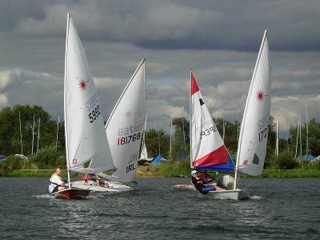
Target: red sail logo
point(82, 84)
point(260, 96)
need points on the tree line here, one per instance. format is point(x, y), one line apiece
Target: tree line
point(158, 142)
point(29, 129)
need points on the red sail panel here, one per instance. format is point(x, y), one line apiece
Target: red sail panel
point(194, 85)
point(219, 156)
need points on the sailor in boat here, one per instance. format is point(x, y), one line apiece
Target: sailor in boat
point(206, 178)
point(56, 183)
point(95, 178)
point(201, 186)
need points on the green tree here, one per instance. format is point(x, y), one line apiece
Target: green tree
point(286, 161)
point(157, 142)
point(313, 138)
point(180, 139)
point(9, 140)
point(10, 129)
point(271, 143)
point(231, 133)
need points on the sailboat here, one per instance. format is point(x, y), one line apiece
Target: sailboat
point(254, 128)
point(125, 128)
point(208, 151)
point(87, 148)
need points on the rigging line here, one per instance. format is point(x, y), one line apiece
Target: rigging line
point(252, 182)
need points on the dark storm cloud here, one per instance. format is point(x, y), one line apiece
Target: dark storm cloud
point(220, 40)
point(233, 25)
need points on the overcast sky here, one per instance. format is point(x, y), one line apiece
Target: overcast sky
point(219, 40)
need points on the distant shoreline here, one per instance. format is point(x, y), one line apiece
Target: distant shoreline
point(158, 172)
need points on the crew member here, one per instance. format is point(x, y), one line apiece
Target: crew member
point(56, 184)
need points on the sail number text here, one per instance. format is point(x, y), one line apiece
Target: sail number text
point(94, 114)
point(93, 108)
point(263, 127)
point(263, 134)
point(263, 121)
point(92, 102)
point(130, 130)
point(131, 164)
point(208, 131)
point(128, 139)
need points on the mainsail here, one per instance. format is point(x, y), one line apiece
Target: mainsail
point(207, 148)
point(254, 127)
point(86, 141)
point(126, 125)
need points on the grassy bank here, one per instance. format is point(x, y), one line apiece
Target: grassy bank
point(175, 170)
point(178, 170)
point(291, 173)
point(34, 173)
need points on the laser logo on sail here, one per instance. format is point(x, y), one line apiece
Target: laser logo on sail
point(260, 96)
point(83, 83)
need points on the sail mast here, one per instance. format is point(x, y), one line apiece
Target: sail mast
point(287, 124)
point(21, 144)
point(57, 137)
point(300, 133)
point(65, 100)
point(223, 129)
point(297, 139)
point(277, 139)
point(190, 119)
point(38, 141)
point(170, 148)
point(33, 126)
point(184, 134)
point(307, 130)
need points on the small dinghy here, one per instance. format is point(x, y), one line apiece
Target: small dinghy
point(208, 151)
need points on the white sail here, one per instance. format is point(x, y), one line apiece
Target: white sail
point(126, 125)
point(144, 151)
point(84, 127)
point(254, 127)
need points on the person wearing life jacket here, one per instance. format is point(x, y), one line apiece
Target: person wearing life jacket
point(200, 185)
point(206, 178)
point(56, 184)
point(97, 179)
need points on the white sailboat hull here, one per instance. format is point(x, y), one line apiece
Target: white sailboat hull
point(236, 194)
point(113, 186)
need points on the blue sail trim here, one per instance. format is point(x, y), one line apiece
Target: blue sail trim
point(229, 166)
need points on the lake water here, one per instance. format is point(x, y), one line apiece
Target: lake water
point(278, 209)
